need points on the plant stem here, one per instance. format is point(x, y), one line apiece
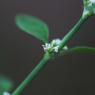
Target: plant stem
point(72, 32)
point(32, 74)
point(47, 56)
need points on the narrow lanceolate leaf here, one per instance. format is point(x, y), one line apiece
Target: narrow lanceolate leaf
point(81, 50)
point(33, 26)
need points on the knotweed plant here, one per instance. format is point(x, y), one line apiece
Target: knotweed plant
point(55, 48)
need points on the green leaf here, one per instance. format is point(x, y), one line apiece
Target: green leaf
point(81, 50)
point(33, 26)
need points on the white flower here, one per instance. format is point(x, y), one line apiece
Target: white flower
point(53, 46)
point(46, 47)
point(56, 42)
point(6, 93)
point(65, 48)
point(56, 49)
point(92, 1)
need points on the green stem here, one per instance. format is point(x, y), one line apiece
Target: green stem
point(47, 57)
point(32, 74)
point(72, 32)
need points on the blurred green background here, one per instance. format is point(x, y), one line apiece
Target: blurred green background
point(19, 52)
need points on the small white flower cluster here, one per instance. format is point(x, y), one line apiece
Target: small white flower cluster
point(6, 93)
point(89, 7)
point(53, 46)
